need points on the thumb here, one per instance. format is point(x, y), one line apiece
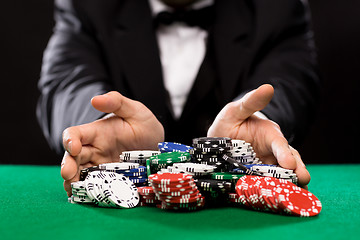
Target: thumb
point(253, 101)
point(114, 102)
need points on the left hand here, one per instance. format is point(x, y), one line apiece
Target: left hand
point(237, 121)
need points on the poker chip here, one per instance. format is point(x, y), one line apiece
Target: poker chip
point(138, 154)
point(118, 166)
point(212, 140)
point(170, 178)
point(173, 147)
point(226, 176)
point(120, 191)
point(194, 167)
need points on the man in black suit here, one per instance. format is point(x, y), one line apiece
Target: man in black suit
point(126, 47)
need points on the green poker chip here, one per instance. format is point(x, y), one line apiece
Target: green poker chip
point(226, 176)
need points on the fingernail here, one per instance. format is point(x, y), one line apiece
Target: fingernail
point(69, 147)
point(62, 164)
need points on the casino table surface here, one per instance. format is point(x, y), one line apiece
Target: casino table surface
point(34, 206)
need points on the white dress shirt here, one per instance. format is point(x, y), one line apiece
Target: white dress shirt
point(182, 51)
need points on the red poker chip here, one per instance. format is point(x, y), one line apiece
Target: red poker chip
point(240, 190)
point(173, 185)
point(169, 190)
point(178, 193)
point(149, 201)
point(245, 185)
point(297, 201)
point(145, 190)
point(183, 200)
point(269, 196)
point(149, 197)
point(166, 197)
point(266, 196)
point(199, 202)
point(253, 193)
point(170, 178)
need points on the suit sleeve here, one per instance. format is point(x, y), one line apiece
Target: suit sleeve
point(72, 73)
point(287, 60)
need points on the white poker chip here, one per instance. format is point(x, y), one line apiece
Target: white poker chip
point(92, 182)
point(139, 154)
point(277, 175)
point(242, 152)
point(121, 191)
point(237, 142)
point(244, 156)
point(80, 199)
point(139, 161)
point(78, 185)
point(271, 169)
point(194, 167)
point(79, 193)
point(118, 166)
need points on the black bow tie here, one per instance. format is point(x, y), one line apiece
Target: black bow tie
point(201, 17)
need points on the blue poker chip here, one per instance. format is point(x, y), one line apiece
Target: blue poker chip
point(140, 169)
point(173, 147)
point(254, 165)
point(138, 180)
point(135, 174)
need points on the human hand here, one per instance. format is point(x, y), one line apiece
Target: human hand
point(132, 126)
point(237, 121)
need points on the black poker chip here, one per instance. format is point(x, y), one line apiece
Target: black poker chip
point(212, 140)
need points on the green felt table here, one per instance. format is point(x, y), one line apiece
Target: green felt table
point(34, 206)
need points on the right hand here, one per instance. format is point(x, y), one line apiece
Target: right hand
point(131, 126)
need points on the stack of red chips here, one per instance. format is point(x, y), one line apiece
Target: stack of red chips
point(275, 195)
point(177, 191)
point(147, 196)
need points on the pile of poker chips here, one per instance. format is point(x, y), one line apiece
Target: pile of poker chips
point(107, 189)
point(177, 191)
point(275, 195)
point(216, 185)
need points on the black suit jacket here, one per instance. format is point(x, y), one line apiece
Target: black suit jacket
point(98, 46)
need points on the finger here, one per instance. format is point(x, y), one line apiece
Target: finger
point(67, 187)
point(114, 102)
point(301, 171)
point(72, 140)
point(67, 184)
point(69, 167)
point(282, 152)
point(252, 102)
point(75, 137)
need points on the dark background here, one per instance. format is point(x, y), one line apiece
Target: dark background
point(27, 25)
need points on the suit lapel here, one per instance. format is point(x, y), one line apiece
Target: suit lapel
point(139, 55)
